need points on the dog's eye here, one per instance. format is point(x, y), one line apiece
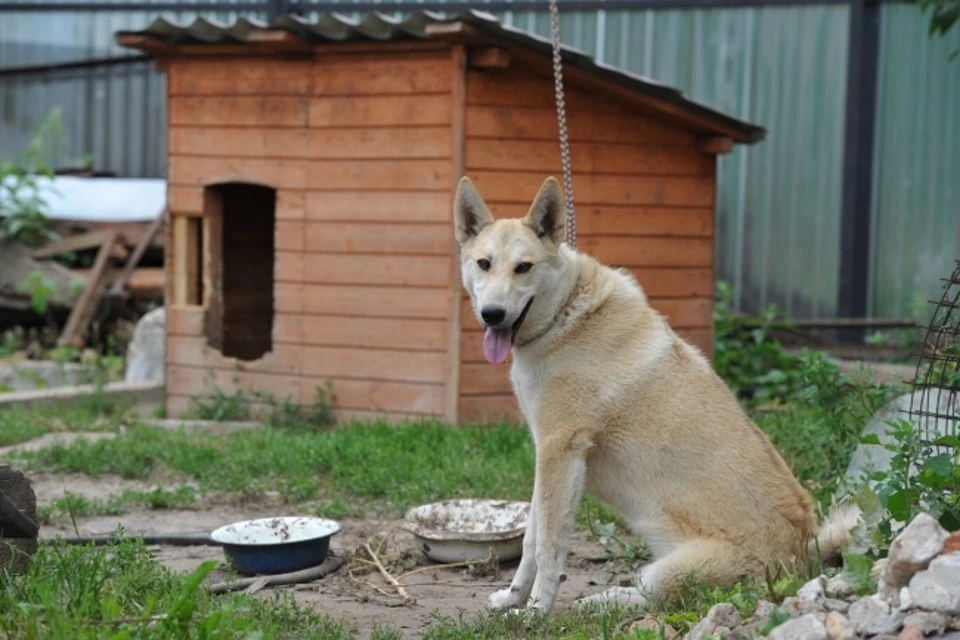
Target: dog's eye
point(484, 264)
point(523, 267)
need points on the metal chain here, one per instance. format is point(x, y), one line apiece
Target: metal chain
point(562, 123)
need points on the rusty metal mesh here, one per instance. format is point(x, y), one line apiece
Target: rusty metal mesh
point(935, 403)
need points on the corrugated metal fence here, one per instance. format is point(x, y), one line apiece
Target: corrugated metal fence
point(779, 205)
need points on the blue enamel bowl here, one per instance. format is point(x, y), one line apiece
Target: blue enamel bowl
point(276, 545)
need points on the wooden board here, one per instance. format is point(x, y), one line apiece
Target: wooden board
point(374, 269)
point(366, 301)
point(376, 111)
point(365, 395)
point(373, 364)
point(489, 409)
point(591, 157)
point(199, 171)
point(378, 206)
point(533, 123)
point(388, 238)
point(413, 334)
point(344, 75)
point(380, 175)
point(519, 187)
point(86, 305)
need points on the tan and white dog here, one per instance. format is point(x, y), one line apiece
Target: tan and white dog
point(622, 407)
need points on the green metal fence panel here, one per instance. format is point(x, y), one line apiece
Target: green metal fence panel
point(778, 203)
point(916, 200)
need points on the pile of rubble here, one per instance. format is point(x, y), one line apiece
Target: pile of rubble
point(918, 596)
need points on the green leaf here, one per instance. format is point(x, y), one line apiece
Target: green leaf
point(870, 438)
point(900, 503)
point(941, 465)
point(947, 441)
point(856, 572)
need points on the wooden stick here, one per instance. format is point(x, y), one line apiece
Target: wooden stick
point(386, 574)
point(453, 565)
point(331, 564)
point(145, 240)
point(86, 305)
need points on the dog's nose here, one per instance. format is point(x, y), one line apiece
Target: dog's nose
point(493, 315)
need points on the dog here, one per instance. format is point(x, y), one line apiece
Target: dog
point(622, 407)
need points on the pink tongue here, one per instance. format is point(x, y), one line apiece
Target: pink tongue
point(496, 345)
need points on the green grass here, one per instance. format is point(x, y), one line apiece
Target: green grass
point(399, 466)
point(120, 591)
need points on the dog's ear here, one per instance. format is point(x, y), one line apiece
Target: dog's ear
point(470, 213)
point(546, 215)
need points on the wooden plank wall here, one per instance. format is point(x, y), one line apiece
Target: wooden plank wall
point(359, 148)
point(644, 200)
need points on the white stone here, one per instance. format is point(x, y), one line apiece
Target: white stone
point(874, 616)
point(911, 551)
point(938, 588)
point(805, 627)
point(905, 598)
point(837, 586)
point(720, 615)
point(838, 627)
point(927, 621)
point(810, 596)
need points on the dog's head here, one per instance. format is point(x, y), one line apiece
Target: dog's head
point(505, 263)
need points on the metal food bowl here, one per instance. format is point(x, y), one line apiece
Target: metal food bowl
point(467, 530)
point(276, 545)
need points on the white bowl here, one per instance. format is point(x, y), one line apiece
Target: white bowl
point(468, 529)
point(282, 530)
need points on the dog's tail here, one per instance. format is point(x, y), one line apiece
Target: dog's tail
point(835, 532)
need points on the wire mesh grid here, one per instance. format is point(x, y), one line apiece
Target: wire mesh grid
point(935, 403)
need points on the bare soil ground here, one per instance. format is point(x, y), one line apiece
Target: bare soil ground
point(355, 592)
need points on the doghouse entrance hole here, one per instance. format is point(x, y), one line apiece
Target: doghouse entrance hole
point(242, 220)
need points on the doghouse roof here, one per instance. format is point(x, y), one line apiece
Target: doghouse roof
point(291, 34)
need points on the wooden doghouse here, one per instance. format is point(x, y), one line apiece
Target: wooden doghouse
point(311, 174)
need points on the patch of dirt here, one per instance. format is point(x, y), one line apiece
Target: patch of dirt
point(357, 592)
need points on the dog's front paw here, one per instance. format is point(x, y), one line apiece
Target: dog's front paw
point(504, 599)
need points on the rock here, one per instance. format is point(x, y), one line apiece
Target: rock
point(938, 588)
point(837, 586)
point(810, 596)
point(723, 614)
point(652, 624)
point(953, 635)
point(905, 598)
point(145, 353)
point(911, 632)
point(791, 605)
point(927, 621)
point(875, 616)
point(805, 627)
point(762, 613)
point(910, 552)
point(838, 627)
point(832, 604)
point(951, 544)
